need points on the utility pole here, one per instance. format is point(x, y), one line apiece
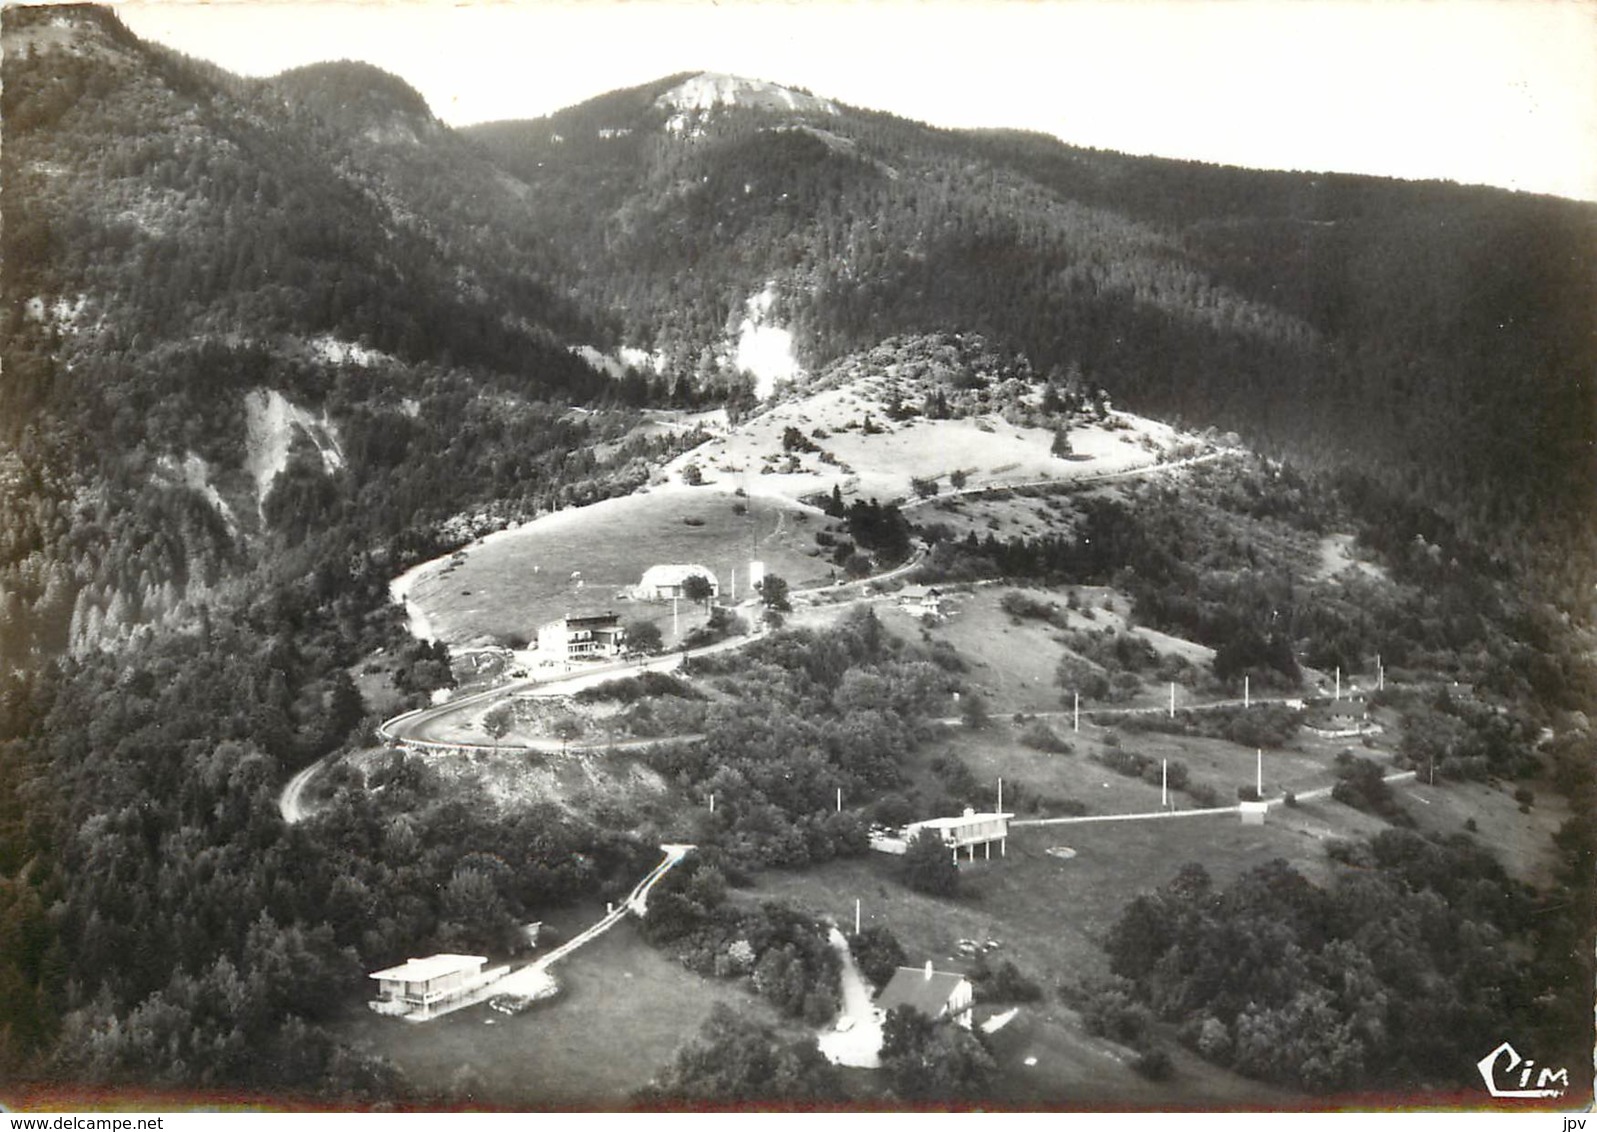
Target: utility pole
point(856, 915)
point(839, 799)
point(1000, 795)
point(1247, 692)
point(1259, 784)
point(1172, 699)
point(1339, 683)
point(1164, 785)
point(712, 803)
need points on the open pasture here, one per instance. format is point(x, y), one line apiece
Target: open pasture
point(1049, 915)
point(1013, 659)
point(1521, 838)
point(859, 448)
point(584, 559)
point(996, 751)
point(623, 1011)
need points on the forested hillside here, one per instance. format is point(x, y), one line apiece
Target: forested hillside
point(249, 377)
point(240, 312)
point(268, 343)
point(1437, 337)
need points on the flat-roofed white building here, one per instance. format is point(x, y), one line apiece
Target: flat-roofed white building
point(967, 831)
point(422, 988)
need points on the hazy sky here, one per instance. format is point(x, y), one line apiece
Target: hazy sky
point(1499, 92)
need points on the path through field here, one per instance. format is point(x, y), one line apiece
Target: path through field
point(534, 976)
point(855, 1039)
point(1306, 796)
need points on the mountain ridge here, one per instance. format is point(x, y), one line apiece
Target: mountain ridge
point(212, 230)
point(357, 96)
point(1286, 306)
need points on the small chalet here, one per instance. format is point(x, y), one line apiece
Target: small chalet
point(572, 638)
point(421, 988)
point(662, 583)
point(1341, 717)
point(921, 601)
point(967, 831)
point(936, 994)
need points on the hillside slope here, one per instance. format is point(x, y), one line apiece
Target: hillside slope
point(240, 314)
point(1436, 336)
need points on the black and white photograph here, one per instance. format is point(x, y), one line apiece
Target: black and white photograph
point(867, 556)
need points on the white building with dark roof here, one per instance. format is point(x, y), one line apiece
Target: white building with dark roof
point(921, 601)
point(598, 635)
point(936, 994)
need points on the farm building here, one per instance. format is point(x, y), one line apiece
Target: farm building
point(967, 831)
point(1342, 717)
point(936, 994)
point(422, 988)
point(662, 583)
point(574, 638)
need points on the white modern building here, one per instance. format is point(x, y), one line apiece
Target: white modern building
point(966, 832)
point(421, 989)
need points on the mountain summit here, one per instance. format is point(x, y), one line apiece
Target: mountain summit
point(707, 91)
point(360, 98)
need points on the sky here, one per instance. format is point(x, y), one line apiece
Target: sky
point(1500, 92)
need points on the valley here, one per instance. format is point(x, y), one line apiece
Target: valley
point(1057, 765)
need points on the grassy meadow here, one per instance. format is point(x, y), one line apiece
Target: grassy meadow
point(510, 583)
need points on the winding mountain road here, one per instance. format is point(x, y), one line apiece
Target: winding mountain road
point(412, 728)
point(418, 728)
point(290, 804)
point(1074, 481)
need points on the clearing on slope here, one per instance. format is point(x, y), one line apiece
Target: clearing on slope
point(586, 558)
point(919, 415)
point(843, 437)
